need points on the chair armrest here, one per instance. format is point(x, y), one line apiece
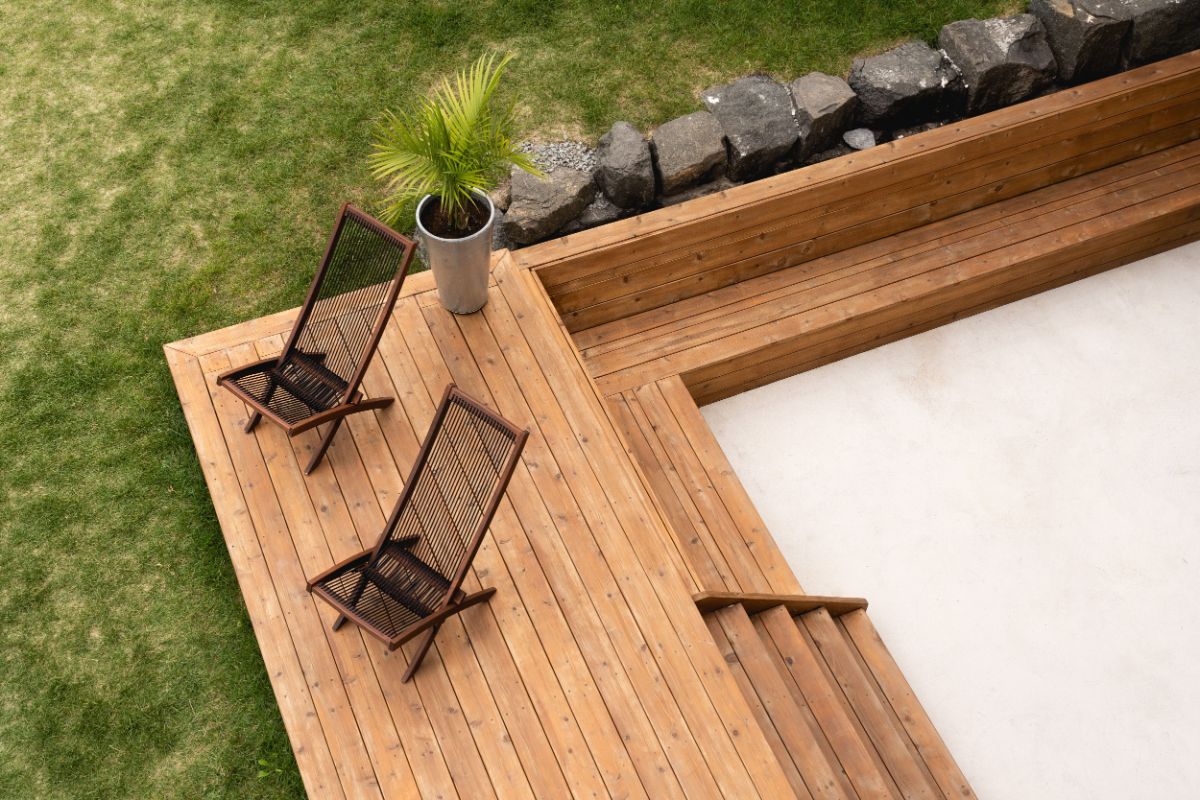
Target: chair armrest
point(340, 566)
point(246, 369)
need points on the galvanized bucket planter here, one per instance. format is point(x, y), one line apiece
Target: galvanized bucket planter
point(460, 266)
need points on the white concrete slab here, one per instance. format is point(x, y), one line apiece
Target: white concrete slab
point(1018, 495)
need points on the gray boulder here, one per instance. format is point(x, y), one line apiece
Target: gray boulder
point(540, 207)
point(1002, 60)
point(624, 168)
point(825, 106)
point(598, 212)
point(688, 150)
point(907, 85)
point(757, 117)
point(1159, 29)
point(1085, 35)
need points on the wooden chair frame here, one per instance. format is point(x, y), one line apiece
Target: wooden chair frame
point(454, 600)
point(353, 402)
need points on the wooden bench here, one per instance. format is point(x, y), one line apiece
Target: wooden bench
point(766, 280)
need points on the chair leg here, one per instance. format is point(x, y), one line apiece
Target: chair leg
point(363, 405)
point(339, 622)
point(326, 440)
point(425, 642)
point(252, 421)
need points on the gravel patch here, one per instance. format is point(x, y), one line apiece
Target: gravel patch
point(570, 154)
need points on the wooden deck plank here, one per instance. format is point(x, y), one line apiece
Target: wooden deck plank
point(694, 563)
point(717, 715)
point(749, 526)
point(490, 633)
point(462, 365)
point(570, 492)
point(496, 703)
point(872, 320)
point(313, 756)
point(539, 524)
point(300, 614)
point(678, 505)
point(801, 664)
point(308, 530)
point(514, 558)
point(693, 483)
point(770, 731)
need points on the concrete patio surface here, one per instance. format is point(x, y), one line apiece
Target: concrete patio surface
point(1018, 495)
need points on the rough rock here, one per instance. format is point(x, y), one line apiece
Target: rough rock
point(499, 240)
point(501, 196)
point(598, 212)
point(1159, 29)
point(688, 150)
point(625, 170)
point(1002, 60)
point(859, 138)
point(1085, 35)
point(825, 106)
point(757, 117)
point(906, 85)
point(540, 207)
point(837, 151)
point(712, 187)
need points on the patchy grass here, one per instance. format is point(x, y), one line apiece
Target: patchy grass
point(169, 168)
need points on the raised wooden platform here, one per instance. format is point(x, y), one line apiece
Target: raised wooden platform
point(593, 672)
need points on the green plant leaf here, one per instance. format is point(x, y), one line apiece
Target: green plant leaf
point(454, 143)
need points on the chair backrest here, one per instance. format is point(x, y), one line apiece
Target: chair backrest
point(351, 297)
point(456, 484)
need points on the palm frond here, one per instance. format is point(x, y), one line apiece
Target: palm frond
point(454, 143)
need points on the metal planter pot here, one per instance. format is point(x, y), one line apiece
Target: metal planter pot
point(460, 266)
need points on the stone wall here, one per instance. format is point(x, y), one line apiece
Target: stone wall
point(756, 126)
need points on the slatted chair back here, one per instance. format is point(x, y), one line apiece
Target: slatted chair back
point(455, 487)
point(343, 317)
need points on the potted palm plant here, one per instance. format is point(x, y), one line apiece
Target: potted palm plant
point(446, 156)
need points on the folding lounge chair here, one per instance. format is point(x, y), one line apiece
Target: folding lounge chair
point(315, 379)
point(410, 582)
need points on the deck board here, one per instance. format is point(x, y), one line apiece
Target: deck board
point(591, 673)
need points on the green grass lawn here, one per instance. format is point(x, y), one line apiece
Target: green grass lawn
point(169, 168)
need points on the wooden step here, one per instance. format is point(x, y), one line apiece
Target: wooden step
point(833, 706)
point(807, 675)
point(793, 720)
point(887, 735)
point(858, 631)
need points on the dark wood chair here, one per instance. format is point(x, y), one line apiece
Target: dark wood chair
point(410, 582)
point(315, 380)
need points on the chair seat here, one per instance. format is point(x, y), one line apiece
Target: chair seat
point(391, 594)
point(294, 390)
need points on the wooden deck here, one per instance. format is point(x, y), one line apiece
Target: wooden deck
point(592, 672)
